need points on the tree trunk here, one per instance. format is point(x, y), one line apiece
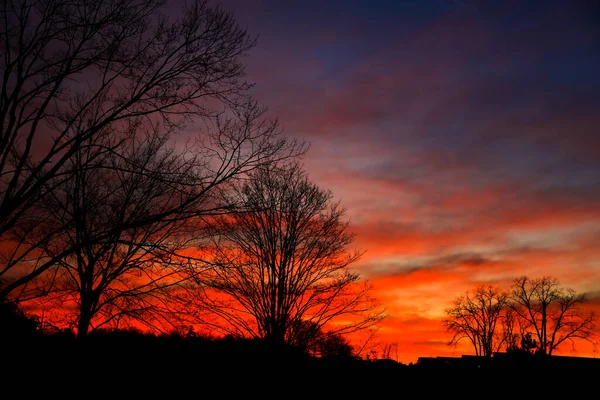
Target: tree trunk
point(544, 340)
point(85, 315)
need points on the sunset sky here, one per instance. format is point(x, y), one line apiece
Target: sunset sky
point(462, 136)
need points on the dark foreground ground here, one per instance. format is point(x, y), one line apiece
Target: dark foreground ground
point(123, 353)
point(126, 364)
point(146, 368)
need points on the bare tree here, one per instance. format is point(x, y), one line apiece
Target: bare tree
point(551, 313)
point(367, 346)
point(516, 337)
point(281, 262)
point(389, 351)
point(116, 265)
point(312, 339)
point(478, 318)
point(76, 70)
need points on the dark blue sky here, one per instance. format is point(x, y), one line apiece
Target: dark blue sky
point(500, 82)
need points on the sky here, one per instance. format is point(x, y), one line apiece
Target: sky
point(461, 136)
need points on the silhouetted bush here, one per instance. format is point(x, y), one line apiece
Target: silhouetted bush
point(15, 324)
point(335, 346)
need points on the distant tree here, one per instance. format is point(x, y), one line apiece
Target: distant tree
point(516, 337)
point(366, 344)
point(334, 345)
point(15, 324)
point(389, 351)
point(551, 313)
point(312, 339)
point(478, 318)
point(528, 343)
point(281, 262)
point(306, 335)
point(75, 71)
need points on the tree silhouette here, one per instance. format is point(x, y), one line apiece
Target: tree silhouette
point(334, 345)
point(311, 339)
point(551, 313)
point(477, 317)
point(15, 324)
point(75, 71)
point(120, 259)
point(517, 338)
point(281, 262)
point(528, 343)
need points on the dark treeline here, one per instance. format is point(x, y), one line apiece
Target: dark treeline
point(174, 355)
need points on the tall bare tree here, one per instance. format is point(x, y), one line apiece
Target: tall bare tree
point(281, 262)
point(76, 70)
point(117, 264)
point(551, 313)
point(478, 318)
